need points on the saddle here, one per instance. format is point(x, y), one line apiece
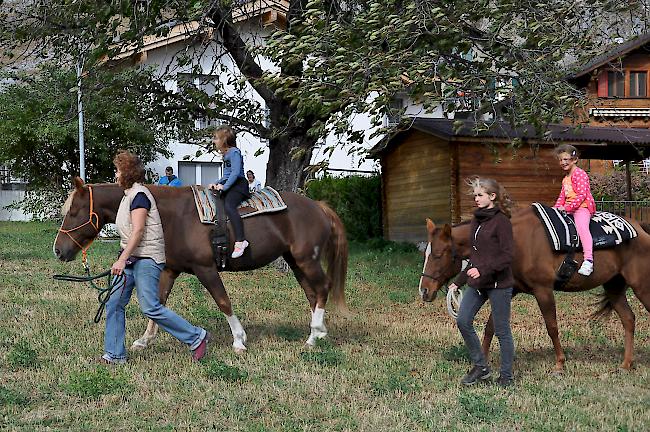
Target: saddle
point(607, 231)
point(210, 210)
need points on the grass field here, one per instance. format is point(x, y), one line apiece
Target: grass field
point(394, 366)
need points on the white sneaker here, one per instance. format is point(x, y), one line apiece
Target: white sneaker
point(586, 268)
point(239, 249)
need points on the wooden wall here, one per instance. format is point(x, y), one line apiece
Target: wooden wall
point(415, 186)
point(528, 175)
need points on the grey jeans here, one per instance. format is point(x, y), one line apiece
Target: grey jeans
point(472, 302)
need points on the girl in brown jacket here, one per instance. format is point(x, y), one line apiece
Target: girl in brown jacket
point(489, 276)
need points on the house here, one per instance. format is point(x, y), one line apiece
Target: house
point(424, 167)
point(617, 87)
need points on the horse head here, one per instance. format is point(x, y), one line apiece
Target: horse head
point(440, 259)
point(82, 221)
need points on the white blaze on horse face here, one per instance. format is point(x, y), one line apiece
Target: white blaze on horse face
point(64, 212)
point(318, 330)
point(427, 254)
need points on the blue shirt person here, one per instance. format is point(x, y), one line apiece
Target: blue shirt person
point(233, 184)
point(170, 179)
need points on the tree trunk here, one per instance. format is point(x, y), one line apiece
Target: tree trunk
point(284, 172)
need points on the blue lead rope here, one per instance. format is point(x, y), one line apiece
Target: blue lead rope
point(104, 293)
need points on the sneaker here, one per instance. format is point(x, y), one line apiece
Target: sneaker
point(239, 249)
point(586, 268)
point(505, 381)
point(202, 349)
point(476, 374)
point(109, 361)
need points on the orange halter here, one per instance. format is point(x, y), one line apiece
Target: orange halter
point(94, 223)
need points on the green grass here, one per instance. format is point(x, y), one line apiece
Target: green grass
point(394, 365)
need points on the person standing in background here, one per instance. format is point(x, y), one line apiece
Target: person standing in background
point(170, 179)
point(254, 184)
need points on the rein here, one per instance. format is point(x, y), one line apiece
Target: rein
point(104, 295)
point(94, 223)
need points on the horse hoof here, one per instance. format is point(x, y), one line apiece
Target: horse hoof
point(557, 372)
point(625, 368)
point(239, 350)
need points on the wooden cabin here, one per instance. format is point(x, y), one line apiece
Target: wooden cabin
point(617, 86)
point(424, 168)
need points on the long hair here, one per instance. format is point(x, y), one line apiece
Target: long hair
point(491, 186)
point(130, 167)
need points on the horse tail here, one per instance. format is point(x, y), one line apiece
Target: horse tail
point(335, 252)
point(605, 307)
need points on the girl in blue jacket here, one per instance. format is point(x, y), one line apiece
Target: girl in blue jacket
point(233, 183)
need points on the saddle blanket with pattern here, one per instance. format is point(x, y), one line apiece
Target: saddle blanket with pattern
point(267, 200)
point(607, 229)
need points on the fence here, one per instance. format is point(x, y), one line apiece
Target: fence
point(639, 210)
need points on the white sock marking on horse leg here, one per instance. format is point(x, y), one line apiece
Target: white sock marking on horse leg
point(427, 253)
point(147, 337)
point(238, 333)
point(318, 330)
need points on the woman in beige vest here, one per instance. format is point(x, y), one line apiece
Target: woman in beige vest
point(141, 260)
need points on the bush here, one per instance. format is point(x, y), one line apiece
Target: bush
point(357, 201)
point(612, 186)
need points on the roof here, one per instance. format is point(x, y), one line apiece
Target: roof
point(612, 54)
point(594, 142)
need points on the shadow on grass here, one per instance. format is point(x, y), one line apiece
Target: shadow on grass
point(609, 357)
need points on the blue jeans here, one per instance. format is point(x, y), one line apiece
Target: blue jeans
point(144, 274)
point(472, 302)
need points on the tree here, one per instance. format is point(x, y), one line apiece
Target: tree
point(335, 59)
point(39, 132)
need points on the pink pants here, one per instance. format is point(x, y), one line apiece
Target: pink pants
point(582, 218)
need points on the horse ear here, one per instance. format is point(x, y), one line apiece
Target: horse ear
point(446, 231)
point(431, 227)
point(78, 184)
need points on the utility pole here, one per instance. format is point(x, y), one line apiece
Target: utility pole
point(82, 157)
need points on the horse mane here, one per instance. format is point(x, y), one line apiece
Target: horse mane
point(65, 208)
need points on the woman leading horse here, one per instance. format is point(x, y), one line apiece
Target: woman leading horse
point(303, 234)
point(534, 265)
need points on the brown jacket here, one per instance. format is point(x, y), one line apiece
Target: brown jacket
point(492, 248)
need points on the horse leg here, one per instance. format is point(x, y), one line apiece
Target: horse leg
point(488, 334)
point(546, 302)
point(167, 279)
point(209, 277)
point(314, 282)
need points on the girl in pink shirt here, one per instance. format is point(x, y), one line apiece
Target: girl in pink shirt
point(576, 199)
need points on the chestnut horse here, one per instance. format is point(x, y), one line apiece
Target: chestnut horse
point(534, 266)
point(303, 234)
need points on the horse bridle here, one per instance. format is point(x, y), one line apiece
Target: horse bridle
point(94, 223)
point(454, 258)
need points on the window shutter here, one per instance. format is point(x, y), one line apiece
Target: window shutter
point(602, 84)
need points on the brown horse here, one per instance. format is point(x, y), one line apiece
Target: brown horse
point(303, 234)
point(534, 265)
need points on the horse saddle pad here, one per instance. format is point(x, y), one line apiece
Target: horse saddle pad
point(607, 229)
point(267, 200)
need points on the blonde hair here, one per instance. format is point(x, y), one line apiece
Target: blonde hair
point(491, 186)
point(227, 134)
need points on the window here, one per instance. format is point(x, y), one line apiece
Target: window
point(615, 84)
point(204, 83)
point(202, 173)
point(638, 81)
point(395, 110)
